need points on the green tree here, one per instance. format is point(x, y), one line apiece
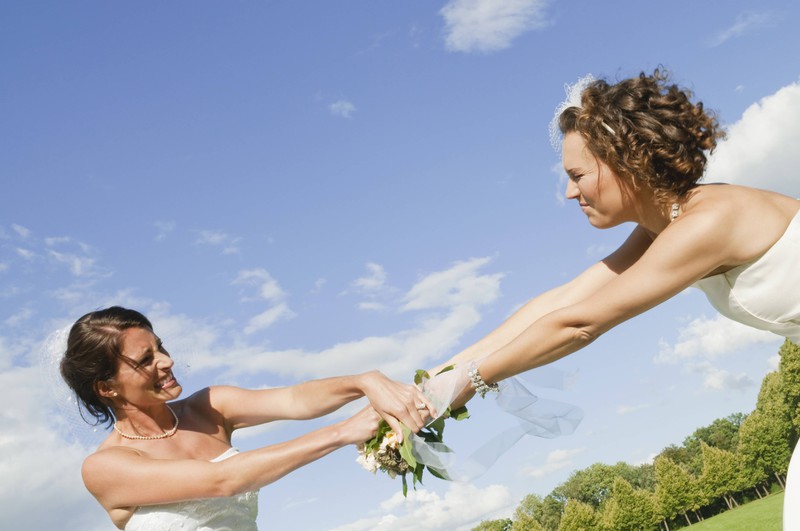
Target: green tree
point(503, 524)
point(677, 491)
point(722, 433)
point(629, 509)
point(579, 516)
point(723, 474)
point(593, 485)
point(528, 514)
point(766, 434)
point(790, 373)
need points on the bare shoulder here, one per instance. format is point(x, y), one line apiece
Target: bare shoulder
point(105, 461)
point(743, 222)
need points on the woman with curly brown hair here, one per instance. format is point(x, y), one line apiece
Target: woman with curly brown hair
point(634, 151)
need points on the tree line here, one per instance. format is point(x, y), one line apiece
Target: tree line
point(732, 461)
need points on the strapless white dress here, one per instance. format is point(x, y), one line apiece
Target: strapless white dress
point(765, 294)
point(236, 513)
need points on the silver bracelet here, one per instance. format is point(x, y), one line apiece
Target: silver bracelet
point(478, 384)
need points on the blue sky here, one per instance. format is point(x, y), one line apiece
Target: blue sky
point(297, 190)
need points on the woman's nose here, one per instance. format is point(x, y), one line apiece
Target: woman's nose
point(572, 190)
point(165, 361)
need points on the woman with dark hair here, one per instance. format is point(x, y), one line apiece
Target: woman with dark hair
point(168, 463)
point(634, 151)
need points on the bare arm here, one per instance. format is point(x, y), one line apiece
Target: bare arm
point(123, 477)
point(395, 402)
point(585, 284)
point(686, 251)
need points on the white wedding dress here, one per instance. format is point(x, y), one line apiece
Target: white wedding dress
point(236, 513)
point(765, 294)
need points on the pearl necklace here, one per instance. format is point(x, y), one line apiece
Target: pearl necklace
point(164, 435)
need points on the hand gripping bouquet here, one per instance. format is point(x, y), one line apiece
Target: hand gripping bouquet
point(417, 452)
point(523, 412)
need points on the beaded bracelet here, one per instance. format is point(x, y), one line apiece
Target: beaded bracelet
point(478, 384)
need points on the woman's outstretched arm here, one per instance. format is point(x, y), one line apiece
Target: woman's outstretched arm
point(395, 402)
point(121, 477)
point(692, 247)
point(581, 287)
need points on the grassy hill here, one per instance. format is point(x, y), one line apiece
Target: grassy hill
point(759, 515)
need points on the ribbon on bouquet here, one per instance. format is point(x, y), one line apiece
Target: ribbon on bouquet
point(531, 415)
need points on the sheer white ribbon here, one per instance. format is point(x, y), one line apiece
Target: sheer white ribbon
point(530, 415)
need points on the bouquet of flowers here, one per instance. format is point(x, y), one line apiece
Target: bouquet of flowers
point(384, 451)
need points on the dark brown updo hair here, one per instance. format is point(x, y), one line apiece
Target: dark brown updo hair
point(93, 347)
point(660, 137)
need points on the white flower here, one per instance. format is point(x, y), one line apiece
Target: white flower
point(367, 460)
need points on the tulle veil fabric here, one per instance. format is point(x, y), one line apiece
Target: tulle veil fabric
point(527, 414)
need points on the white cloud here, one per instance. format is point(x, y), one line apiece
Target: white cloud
point(459, 292)
point(561, 183)
point(760, 148)
point(711, 338)
point(78, 265)
point(371, 306)
point(374, 281)
point(342, 108)
point(217, 238)
point(455, 286)
point(489, 25)
point(3, 267)
point(267, 318)
point(19, 317)
point(556, 460)
point(163, 228)
point(460, 508)
point(719, 379)
point(45, 469)
point(745, 23)
point(23, 232)
point(27, 254)
point(268, 287)
point(57, 240)
point(624, 409)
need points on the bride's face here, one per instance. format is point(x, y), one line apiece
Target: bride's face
point(593, 184)
point(145, 376)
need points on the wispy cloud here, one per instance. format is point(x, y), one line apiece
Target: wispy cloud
point(488, 25)
point(216, 238)
point(21, 231)
point(460, 508)
point(711, 338)
point(452, 300)
point(717, 379)
point(747, 22)
point(624, 409)
point(374, 281)
point(268, 289)
point(556, 460)
point(163, 229)
point(342, 108)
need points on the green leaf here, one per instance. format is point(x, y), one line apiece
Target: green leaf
point(405, 449)
point(438, 426)
point(418, 470)
point(439, 474)
point(448, 368)
point(460, 413)
point(405, 486)
point(420, 375)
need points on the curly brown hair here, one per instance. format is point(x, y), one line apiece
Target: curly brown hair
point(647, 130)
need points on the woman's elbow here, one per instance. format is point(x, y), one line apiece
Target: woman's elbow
point(584, 335)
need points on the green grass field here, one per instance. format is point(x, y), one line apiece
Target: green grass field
point(759, 515)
